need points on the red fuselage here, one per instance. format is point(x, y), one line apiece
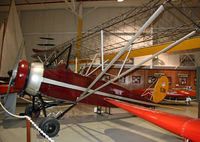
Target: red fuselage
point(67, 76)
point(62, 83)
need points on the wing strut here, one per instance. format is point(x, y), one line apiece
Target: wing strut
point(123, 50)
point(86, 74)
point(96, 68)
point(138, 65)
point(68, 47)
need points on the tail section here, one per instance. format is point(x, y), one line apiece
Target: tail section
point(160, 90)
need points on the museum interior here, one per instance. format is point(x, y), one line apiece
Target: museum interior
point(100, 70)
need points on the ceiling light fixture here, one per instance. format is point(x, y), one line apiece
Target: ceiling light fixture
point(120, 0)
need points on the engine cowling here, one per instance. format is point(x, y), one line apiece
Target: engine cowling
point(29, 77)
point(21, 76)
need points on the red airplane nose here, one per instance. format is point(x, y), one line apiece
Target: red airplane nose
point(21, 77)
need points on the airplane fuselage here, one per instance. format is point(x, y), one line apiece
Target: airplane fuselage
point(62, 83)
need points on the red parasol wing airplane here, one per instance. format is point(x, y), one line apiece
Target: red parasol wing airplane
point(59, 82)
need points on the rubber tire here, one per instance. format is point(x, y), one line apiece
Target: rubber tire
point(30, 113)
point(50, 126)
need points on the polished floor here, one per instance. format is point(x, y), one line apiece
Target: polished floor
point(82, 125)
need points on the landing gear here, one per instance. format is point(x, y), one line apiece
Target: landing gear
point(188, 100)
point(50, 126)
point(31, 111)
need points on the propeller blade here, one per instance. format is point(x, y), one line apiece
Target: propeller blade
point(14, 72)
point(9, 86)
point(8, 91)
point(9, 101)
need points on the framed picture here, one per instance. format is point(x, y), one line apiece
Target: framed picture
point(187, 60)
point(107, 77)
point(151, 79)
point(182, 80)
point(136, 79)
point(122, 79)
point(170, 80)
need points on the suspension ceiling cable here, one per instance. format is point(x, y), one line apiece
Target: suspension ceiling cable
point(198, 26)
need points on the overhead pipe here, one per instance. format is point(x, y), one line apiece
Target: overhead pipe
point(183, 126)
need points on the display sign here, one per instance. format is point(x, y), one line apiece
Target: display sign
point(183, 75)
point(159, 74)
point(136, 79)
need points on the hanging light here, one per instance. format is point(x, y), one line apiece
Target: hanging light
point(120, 0)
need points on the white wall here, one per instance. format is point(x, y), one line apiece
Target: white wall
point(60, 24)
point(93, 17)
point(169, 59)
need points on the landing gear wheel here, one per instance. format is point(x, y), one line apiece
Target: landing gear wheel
point(32, 113)
point(50, 126)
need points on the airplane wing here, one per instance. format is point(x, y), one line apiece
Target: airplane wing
point(181, 125)
point(185, 45)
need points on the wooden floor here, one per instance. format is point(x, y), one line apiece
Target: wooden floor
point(82, 125)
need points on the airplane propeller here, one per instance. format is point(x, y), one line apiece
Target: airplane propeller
point(19, 73)
point(15, 67)
point(10, 100)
